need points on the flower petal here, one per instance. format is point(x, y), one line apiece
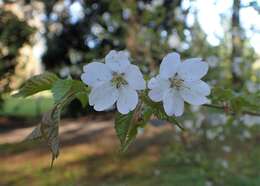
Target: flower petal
point(96, 73)
point(117, 60)
point(127, 100)
point(134, 77)
point(103, 97)
point(193, 69)
point(173, 103)
point(193, 97)
point(158, 86)
point(198, 86)
point(170, 65)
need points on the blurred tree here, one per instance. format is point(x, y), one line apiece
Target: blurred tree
point(237, 44)
point(14, 33)
point(86, 29)
point(77, 31)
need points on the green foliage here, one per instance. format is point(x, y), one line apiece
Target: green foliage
point(126, 126)
point(25, 108)
point(122, 124)
point(158, 111)
point(83, 98)
point(126, 129)
point(60, 89)
point(237, 103)
point(81, 92)
point(64, 91)
point(221, 94)
point(37, 84)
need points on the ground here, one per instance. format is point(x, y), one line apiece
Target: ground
point(89, 157)
point(160, 156)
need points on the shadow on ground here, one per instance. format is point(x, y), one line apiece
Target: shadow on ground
point(160, 156)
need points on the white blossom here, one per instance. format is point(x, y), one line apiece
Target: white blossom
point(178, 82)
point(115, 81)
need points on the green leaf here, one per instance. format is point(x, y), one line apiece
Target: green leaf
point(235, 102)
point(122, 125)
point(221, 94)
point(81, 92)
point(160, 114)
point(79, 86)
point(61, 88)
point(127, 126)
point(49, 126)
point(242, 102)
point(83, 98)
point(37, 84)
point(132, 133)
point(158, 111)
point(64, 91)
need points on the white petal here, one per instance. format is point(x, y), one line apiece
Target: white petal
point(134, 77)
point(95, 74)
point(170, 65)
point(193, 69)
point(117, 61)
point(198, 86)
point(127, 100)
point(158, 86)
point(103, 96)
point(193, 97)
point(173, 103)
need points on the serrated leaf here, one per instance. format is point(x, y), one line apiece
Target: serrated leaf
point(126, 126)
point(132, 132)
point(122, 125)
point(37, 84)
point(60, 88)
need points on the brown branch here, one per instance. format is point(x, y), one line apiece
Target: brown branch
point(220, 107)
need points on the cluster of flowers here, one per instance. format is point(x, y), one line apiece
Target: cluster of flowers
point(118, 81)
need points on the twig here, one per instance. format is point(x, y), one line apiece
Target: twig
point(220, 107)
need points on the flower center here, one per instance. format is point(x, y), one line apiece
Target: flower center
point(176, 82)
point(118, 80)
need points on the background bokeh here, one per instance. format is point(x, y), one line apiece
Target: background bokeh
point(63, 35)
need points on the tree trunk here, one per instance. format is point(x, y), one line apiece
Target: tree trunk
point(237, 45)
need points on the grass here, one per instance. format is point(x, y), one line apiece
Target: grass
point(26, 107)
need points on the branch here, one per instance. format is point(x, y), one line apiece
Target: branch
point(231, 112)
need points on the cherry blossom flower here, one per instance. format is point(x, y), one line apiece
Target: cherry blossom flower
point(179, 81)
point(115, 81)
